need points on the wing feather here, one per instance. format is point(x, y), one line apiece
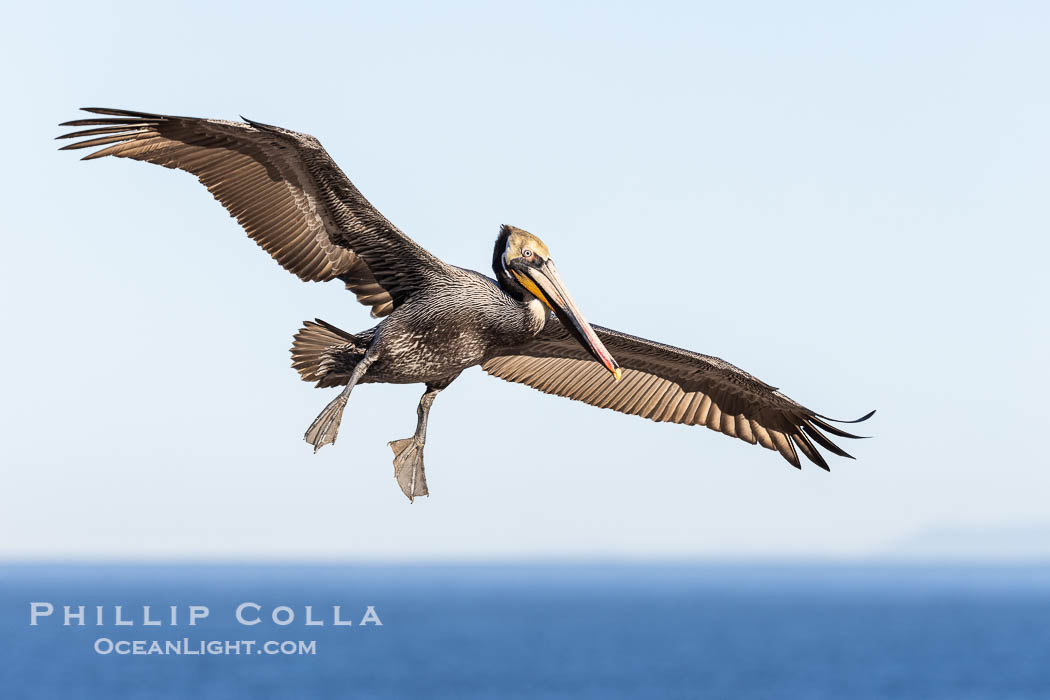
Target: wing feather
point(668, 384)
point(283, 189)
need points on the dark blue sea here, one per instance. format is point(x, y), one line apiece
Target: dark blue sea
point(952, 632)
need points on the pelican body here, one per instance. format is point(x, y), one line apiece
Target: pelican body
point(438, 320)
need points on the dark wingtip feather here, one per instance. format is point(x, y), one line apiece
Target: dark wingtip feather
point(122, 112)
point(824, 425)
point(824, 442)
point(857, 420)
point(110, 121)
point(128, 129)
point(812, 454)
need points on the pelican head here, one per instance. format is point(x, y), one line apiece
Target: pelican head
point(524, 261)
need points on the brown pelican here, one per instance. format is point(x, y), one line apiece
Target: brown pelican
point(295, 203)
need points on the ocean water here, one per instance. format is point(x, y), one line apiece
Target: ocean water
point(540, 631)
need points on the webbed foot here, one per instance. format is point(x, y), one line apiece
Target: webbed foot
point(408, 467)
point(325, 427)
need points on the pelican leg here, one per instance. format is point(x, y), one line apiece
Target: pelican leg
point(408, 452)
point(325, 427)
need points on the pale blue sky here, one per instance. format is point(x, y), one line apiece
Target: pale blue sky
point(849, 202)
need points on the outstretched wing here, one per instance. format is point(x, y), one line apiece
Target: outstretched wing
point(284, 189)
point(665, 383)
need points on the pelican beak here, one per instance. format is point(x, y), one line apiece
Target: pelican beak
point(545, 283)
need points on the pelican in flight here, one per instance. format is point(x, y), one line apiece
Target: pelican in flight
point(438, 320)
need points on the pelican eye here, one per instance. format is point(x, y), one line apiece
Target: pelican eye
point(526, 253)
